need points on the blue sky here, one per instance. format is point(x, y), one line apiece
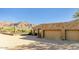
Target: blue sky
point(37, 15)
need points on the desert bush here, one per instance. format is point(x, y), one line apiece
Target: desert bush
point(15, 30)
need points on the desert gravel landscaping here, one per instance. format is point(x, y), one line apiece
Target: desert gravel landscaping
point(7, 41)
point(27, 42)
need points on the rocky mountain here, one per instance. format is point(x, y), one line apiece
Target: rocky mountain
point(19, 24)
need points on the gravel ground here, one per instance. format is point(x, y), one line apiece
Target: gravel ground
point(7, 41)
point(33, 43)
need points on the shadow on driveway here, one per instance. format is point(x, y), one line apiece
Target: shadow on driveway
point(44, 44)
point(42, 40)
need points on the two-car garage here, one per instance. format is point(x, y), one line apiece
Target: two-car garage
point(57, 34)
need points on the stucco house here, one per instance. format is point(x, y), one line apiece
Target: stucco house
point(58, 31)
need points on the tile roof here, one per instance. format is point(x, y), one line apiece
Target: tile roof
point(63, 25)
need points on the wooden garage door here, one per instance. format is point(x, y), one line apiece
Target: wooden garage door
point(72, 34)
point(53, 34)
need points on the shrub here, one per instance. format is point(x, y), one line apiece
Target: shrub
point(16, 30)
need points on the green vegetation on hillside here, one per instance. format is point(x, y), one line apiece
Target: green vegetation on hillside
point(14, 30)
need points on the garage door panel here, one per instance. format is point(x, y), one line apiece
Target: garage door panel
point(72, 35)
point(55, 35)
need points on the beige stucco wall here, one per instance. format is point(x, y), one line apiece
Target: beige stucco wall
point(53, 34)
point(42, 33)
point(72, 35)
point(39, 34)
point(65, 33)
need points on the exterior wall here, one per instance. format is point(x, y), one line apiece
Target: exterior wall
point(53, 34)
point(72, 35)
point(67, 31)
point(40, 33)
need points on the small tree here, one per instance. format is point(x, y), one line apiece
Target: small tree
point(76, 15)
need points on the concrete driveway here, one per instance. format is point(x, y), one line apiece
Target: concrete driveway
point(33, 43)
point(7, 41)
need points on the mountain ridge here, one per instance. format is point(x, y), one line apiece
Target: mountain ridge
point(17, 24)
